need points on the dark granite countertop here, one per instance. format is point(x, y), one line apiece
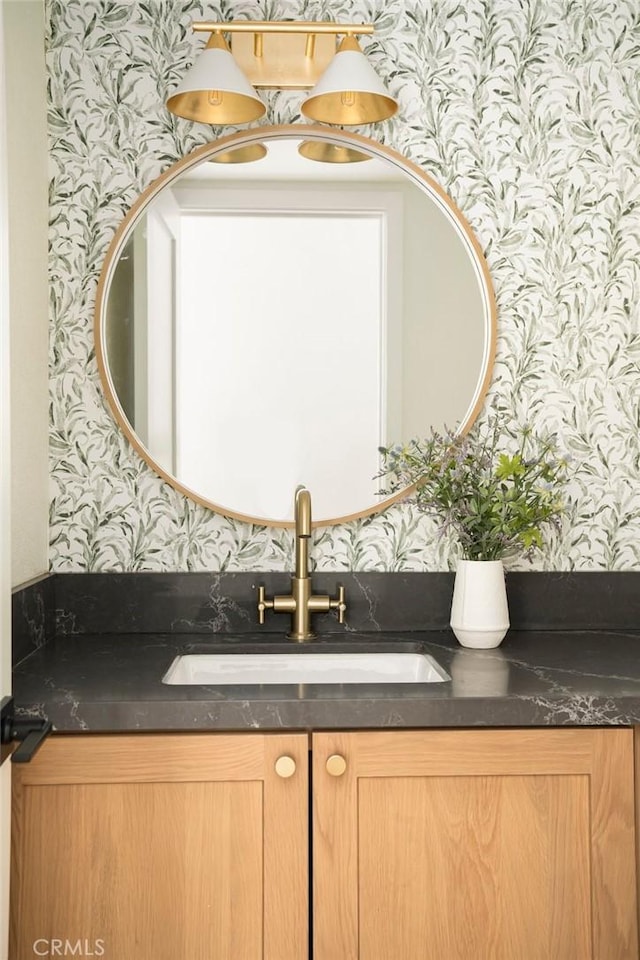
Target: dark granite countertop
point(113, 682)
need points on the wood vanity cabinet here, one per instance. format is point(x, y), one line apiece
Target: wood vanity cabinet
point(427, 845)
point(475, 845)
point(161, 847)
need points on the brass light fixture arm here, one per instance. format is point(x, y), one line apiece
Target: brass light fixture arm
point(282, 54)
point(282, 26)
point(278, 55)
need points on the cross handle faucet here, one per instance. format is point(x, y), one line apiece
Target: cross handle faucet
point(301, 602)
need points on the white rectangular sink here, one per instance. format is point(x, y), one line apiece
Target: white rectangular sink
point(258, 668)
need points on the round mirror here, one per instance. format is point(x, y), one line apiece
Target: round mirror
point(280, 304)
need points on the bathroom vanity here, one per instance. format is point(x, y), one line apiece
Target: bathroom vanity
point(415, 844)
point(489, 814)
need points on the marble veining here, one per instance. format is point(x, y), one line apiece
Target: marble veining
point(32, 616)
point(570, 658)
point(113, 682)
point(226, 602)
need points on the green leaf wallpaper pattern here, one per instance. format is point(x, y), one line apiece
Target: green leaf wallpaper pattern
point(528, 114)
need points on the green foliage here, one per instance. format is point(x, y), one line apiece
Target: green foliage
point(495, 503)
point(516, 117)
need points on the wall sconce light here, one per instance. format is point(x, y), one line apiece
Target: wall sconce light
point(287, 55)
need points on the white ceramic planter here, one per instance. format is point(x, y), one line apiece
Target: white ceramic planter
point(479, 610)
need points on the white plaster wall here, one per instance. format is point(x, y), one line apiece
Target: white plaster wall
point(5, 539)
point(24, 22)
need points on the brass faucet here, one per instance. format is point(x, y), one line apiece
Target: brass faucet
point(302, 602)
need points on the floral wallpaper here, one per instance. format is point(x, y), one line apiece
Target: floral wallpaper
point(526, 111)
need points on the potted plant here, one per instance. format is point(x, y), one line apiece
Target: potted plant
point(495, 497)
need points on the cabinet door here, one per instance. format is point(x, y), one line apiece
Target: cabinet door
point(474, 845)
point(161, 847)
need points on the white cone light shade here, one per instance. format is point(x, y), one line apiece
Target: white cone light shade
point(349, 91)
point(215, 90)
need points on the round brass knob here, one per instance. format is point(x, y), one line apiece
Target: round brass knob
point(336, 765)
point(285, 767)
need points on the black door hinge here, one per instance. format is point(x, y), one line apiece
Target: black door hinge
point(29, 731)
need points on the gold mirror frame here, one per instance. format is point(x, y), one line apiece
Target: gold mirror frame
point(247, 138)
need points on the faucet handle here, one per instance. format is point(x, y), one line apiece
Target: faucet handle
point(263, 603)
point(339, 605)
